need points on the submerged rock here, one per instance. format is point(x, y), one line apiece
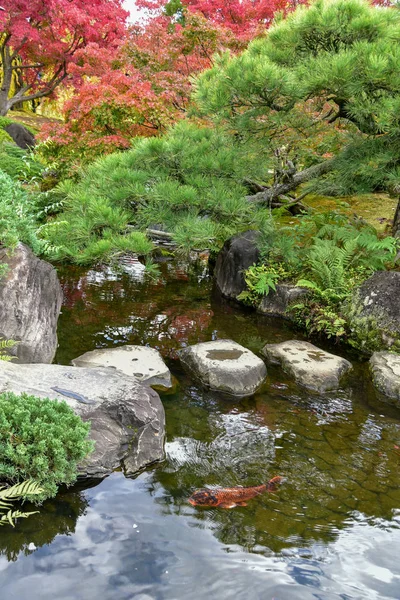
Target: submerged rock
point(127, 417)
point(225, 366)
point(237, 255)
point(30, 303)
point(146, 364)
point(275, 304)
point(311, 367)
point(385, 369)
point(374, 312)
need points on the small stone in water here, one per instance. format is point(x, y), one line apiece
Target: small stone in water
point(134, 526)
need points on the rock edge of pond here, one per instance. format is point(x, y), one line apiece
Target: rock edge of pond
point(127, 418)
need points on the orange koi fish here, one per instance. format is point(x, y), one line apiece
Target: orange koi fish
point(231, 497)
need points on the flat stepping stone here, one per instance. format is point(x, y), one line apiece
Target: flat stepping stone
point(310, 366)
point(225, 366)
point(146, 364)
point(385, 369)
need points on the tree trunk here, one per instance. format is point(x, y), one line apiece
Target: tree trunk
point(270, 194)
point(396, 221)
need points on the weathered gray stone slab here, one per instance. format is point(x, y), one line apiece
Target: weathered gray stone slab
point(225, 366)
point(127, 418)
point(30, 303)
point(146, 364)
point(310, 366)
point(385, 369)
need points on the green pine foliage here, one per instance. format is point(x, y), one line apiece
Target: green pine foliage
point(188, 183)
point(329, 72)
point(40, 440)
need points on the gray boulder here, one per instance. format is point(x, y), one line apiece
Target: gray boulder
point(225, 366)
point(30, 303)
point(310, 366)
point(385, 369)
point(146, 364)
point(277, 303)
point(237, 255)
point(127, 418)
point(21, 135)
point(374, 312)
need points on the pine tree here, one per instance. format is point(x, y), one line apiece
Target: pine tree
point(323, 83)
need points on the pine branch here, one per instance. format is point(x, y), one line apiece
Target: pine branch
point(277, 190)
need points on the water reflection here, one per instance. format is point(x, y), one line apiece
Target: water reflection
point(330, 532)
point(54, 518)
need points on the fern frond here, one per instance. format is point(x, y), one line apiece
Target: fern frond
point(12, 515)
point(20, 490)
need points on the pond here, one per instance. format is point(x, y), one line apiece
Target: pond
point(331, 531)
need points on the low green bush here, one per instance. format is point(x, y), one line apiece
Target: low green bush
point(19, 164)
point(40, 440)
point(17, 216)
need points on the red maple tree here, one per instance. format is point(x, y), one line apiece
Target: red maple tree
point(40, 40)
point(140, 88)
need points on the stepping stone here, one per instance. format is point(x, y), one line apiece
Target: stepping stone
point(385, 369)
point(225, 366)
point(310, 366)
point(146, 364)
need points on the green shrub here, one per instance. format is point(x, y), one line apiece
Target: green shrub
point(19, 164)
point(17, 218)
point(40, 440)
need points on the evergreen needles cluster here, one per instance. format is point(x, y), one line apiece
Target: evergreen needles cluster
point(40, 440)
point(187, 182)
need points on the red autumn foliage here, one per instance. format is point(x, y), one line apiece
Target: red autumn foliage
point(140, 88)
point(41, 39)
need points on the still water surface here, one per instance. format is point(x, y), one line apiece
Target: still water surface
point(332, 531)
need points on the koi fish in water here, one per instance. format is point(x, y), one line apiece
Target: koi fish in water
point(231, 497)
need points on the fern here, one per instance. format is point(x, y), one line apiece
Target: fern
point(4, 346)
point(16, 492)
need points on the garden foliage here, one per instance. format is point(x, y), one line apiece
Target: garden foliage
point(323, 83)
point(17, 215)
point(326, 254)
point(188, 182)
point(26, 490)
point(40, 440)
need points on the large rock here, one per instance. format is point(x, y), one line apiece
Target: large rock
point(237, 255)
point(146, 364)
point(310, 366)
point(21, 135)
point(374, 312)
point(30, 303)
point(276, 304)
point(127, 417)
point(225, 366)
point(385, 369)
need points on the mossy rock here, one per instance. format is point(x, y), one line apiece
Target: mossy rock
point(374, 313)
